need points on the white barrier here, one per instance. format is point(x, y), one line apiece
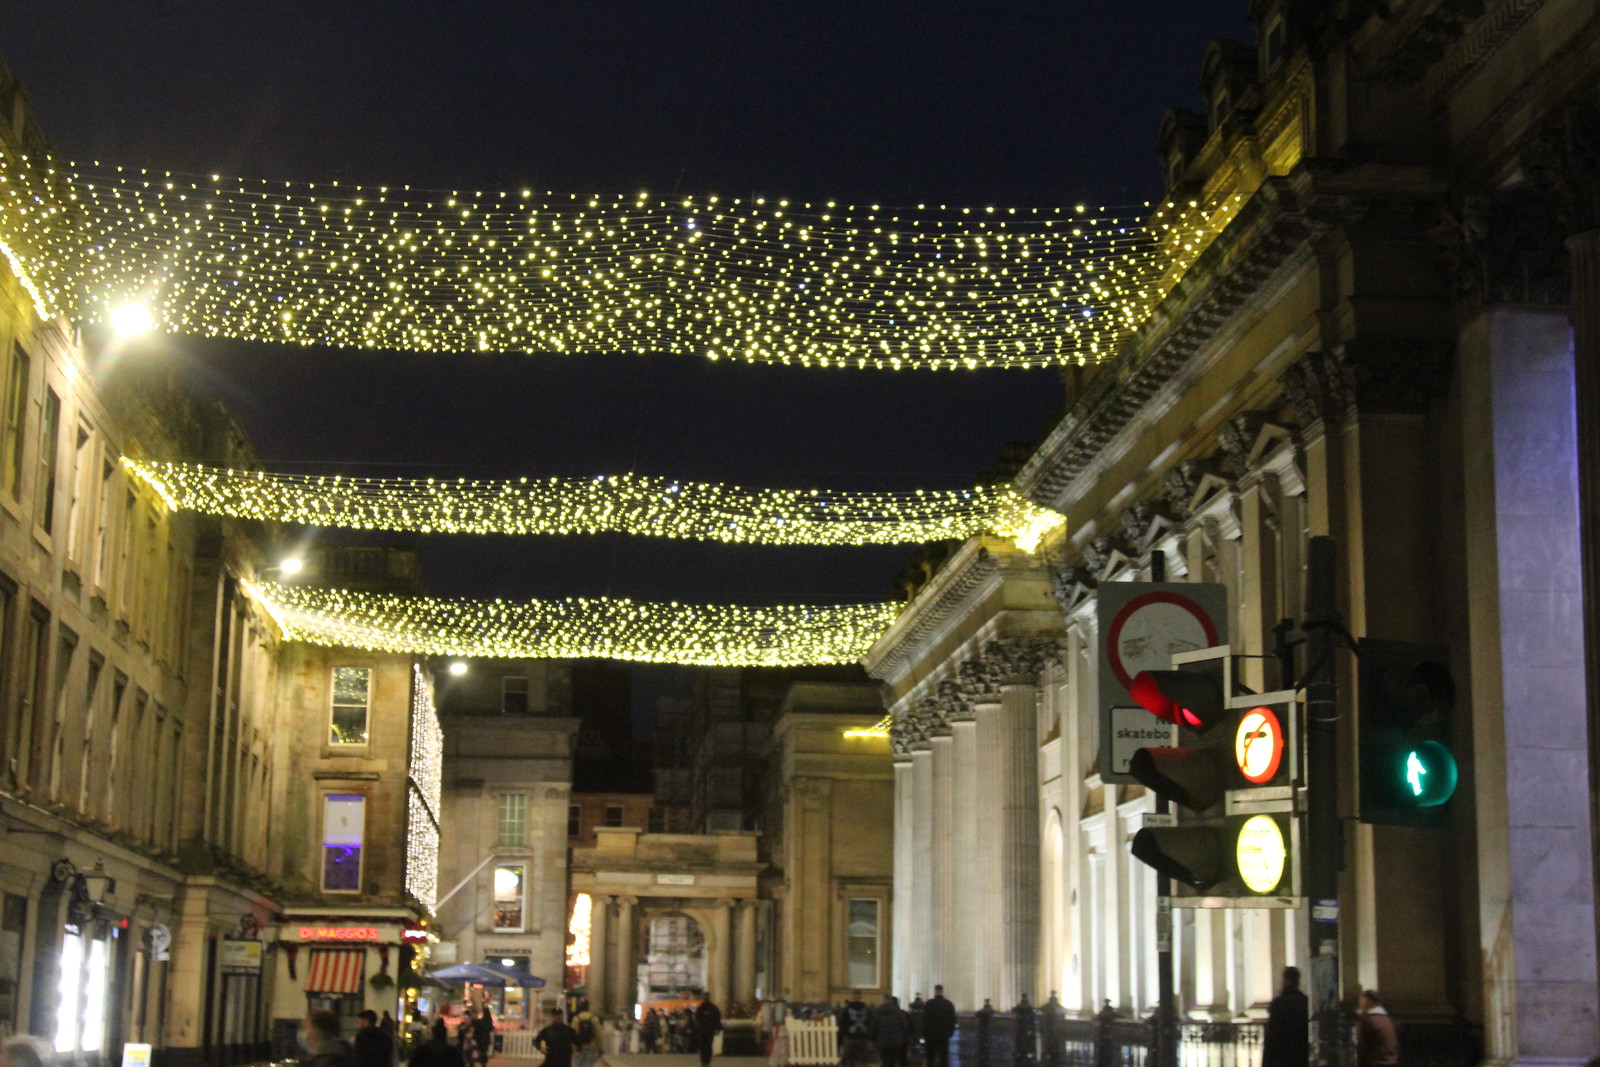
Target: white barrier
point(519, 1046)
point(812, 1041)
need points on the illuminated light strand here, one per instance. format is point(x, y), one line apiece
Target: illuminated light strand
point(877, 729)
point(627, 503)
point(577, 628)
point(752, 279)
point(423, 797)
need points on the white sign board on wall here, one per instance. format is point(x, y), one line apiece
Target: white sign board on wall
point(1142, 625)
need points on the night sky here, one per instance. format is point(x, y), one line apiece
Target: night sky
point(1005, 102)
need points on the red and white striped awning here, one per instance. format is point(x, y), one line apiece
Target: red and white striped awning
point(335, 970)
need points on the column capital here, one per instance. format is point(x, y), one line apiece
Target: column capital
point(952, 700)
point(1562, 160)
point(627, 901)
point(1020, 660)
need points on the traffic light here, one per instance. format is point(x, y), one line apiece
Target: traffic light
point(1230, 745)
point(1408, 770)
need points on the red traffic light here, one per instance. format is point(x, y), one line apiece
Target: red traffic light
point(1185, 698)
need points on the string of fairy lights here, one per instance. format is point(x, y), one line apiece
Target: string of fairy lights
point(754, 279)
point(628, 503)
point(760, 280)
point(577, 627)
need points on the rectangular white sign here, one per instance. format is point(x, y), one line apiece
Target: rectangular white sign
point(1133, 729)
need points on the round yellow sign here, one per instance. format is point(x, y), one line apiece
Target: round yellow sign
point(1261, 853)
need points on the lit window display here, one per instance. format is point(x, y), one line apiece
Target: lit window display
point(508, 881)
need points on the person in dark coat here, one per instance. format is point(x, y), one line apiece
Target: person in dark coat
point(374, 1048)
point(891, 1032)
point(855, 1030)
point(482, 1035)
point(319, 1033)
point(557, 1040)
point(1377, 1036)
point(938, 1027)
point(438, 1050)
point(1287, 1041)
point(707, 1023)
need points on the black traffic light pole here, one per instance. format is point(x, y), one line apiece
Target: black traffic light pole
point(1325, 845)
point(1166, 994)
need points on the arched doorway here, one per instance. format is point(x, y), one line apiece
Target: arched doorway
point(674, 957)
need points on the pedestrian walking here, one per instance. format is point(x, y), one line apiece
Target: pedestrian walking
point(650, 1032)
point(1377, 1036)
point(891, 1032)
point(855, 1031)
point(938, 1027)
point(707, 1024)
point(437, 1051)
point(374, 1048)
point(483, 1035)
point(558, 1040)
point(587, 1028)
point(319, 1036)
point(1287, 1041)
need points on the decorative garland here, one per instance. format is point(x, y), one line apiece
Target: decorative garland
point(628, 503)
point(759, 280)
point(577, 628)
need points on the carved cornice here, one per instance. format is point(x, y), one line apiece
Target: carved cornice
point(1279, 224)
point(1482, 39)
point(1318, 387)
point(1071, 586)
point(1019, 660)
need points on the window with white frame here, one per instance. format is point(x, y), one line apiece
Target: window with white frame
point(352, 698)
point(511, 822)
point(344, 823)
point(861, 942)
point(508, 892)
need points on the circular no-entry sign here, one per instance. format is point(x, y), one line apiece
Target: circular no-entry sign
point(1153, 627)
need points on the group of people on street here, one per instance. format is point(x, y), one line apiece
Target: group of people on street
point(679, 1031)
point(1287, 1041)
point(892, 1031)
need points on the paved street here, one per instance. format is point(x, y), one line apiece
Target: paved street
point(661, 1060)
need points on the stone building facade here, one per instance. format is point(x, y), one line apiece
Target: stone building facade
point(507, 791)
point(1391, 342)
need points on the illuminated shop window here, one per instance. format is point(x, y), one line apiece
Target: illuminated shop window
point(508, 882)
point(343, 825)
point(352, 689)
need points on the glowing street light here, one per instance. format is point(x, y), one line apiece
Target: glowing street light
point(458, 668)
point(131, 320)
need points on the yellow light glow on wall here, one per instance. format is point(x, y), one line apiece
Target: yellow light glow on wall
point(753, 279)
point(627, 503)
point(577, 628)
point(578, 927)
point(877, 729)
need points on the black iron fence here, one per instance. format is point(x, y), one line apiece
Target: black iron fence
point(1047, 1037)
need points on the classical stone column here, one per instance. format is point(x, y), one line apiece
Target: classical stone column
point(744, 970)
point(625, 973)
point(987, 923)
point(1020, 664)
point(717, 965)
point(961, 948)
point(599, 949)
point(922, 875)
point(942, 885)
point(904, 845)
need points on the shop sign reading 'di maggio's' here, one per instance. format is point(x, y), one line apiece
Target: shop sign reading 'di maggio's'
point(1142, 625)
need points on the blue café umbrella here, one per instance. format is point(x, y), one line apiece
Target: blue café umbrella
point(513, 975)
point(470, 974)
